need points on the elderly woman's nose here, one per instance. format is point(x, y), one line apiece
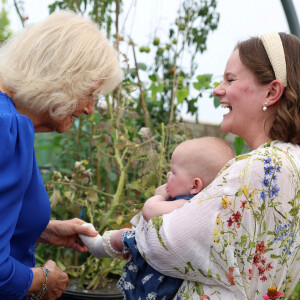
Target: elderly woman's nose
point(89, 108)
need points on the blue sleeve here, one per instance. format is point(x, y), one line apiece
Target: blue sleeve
point(16, 162)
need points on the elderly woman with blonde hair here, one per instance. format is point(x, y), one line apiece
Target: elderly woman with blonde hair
point(50, 73)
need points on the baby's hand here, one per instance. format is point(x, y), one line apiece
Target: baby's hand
point(162, 191)
point(94, 244)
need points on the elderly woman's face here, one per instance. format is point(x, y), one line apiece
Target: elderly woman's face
point(85, 106)
point(241, 93)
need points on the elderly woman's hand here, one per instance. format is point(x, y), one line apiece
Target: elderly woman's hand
point(65, 233)
point(57, 281)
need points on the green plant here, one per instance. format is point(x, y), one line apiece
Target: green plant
point(117, 165)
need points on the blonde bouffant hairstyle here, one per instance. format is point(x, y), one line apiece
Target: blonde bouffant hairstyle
point(52, 65)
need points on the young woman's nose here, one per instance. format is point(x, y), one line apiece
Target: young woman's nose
point(219, 91)
point(168, 175)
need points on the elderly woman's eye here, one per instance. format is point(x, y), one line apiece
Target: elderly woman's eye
point(92, 96)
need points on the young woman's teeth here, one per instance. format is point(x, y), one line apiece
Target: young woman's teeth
point(223, 105)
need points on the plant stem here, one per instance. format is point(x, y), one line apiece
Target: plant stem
point(162, 153)
point(175, 77)
point(117, 24)
point(19, 12)
point(83, 187)
point(143, 103)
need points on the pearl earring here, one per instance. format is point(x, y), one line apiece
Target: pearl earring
point(265, 106)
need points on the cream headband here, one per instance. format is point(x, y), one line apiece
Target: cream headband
point(273, 45)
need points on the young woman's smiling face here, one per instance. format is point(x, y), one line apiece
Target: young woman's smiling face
point(241, 93)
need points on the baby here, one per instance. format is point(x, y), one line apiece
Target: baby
point(194, 165)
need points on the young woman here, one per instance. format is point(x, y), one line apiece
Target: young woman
point(239, 238)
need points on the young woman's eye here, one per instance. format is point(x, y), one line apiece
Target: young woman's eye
point(229, 80)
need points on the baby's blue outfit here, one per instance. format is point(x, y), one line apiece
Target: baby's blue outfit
point(24, 202)
point(140, 281)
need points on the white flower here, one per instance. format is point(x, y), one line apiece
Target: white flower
point(128, 286)
point(145, 132)
point(129, 234)
point(146, 278)
point(132, 267)
point(151, 296)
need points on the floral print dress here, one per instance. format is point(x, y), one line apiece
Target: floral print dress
point(238, 236)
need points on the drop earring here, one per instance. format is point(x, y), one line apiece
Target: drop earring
point(265, 107)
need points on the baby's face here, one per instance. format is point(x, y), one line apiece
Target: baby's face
point(179, 182)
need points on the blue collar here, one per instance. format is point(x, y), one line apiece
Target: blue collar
point(186, 197)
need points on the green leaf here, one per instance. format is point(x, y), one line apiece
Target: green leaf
point(142, 66)
point(156, 88)
point(294, 211)
point(243, 241)
point(204, 81)
point(190, 265)
point(153, 77)
point(216, 83)
point(275, 256)
point(241, 157)
point(181, 94)
point(209, 273)
point(112, 176)
point(238, 145)
point(239, 193)
point(198, 86)
point(217, 102)
point(157, 222)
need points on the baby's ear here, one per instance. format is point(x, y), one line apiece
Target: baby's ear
point(197, 186)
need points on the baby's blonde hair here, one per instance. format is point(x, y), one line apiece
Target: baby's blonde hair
point(52, 65)
point(205, 157)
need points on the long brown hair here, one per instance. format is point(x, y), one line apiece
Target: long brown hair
point(286, 125)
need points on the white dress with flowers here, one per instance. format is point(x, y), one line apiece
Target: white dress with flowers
point(238, 236)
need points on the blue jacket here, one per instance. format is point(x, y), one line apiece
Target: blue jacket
point(24, 203)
